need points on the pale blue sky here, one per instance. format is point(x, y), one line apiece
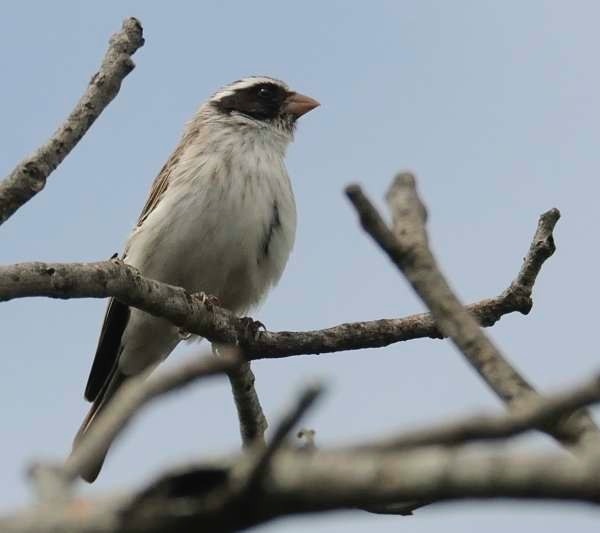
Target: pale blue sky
point(493, 104)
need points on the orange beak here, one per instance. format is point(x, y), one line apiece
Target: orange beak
point(298, 104)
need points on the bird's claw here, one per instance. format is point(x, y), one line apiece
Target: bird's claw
point(252, 327)
point(117, 260)
point(207, 300)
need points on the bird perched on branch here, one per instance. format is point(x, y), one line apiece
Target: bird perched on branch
point(220, 219)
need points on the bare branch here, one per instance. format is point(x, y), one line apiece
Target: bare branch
point(408, 248)
point(113, 278)
point(537, 413)
point(542, 247)
point(260, 466)
point(29, 177)
point(430, 473)
point(300, 483)
point(129, 400)
point(253, 423)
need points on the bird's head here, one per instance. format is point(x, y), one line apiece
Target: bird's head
point(261, 100)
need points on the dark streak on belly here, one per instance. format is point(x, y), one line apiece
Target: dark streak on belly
point(274, 224)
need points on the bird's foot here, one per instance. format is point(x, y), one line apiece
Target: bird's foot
point(114, 258)
point(207, 300)
point(252, 327)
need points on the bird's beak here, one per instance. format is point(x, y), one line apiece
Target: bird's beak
point(298, 104)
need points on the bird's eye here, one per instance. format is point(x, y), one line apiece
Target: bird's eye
point(264, 92)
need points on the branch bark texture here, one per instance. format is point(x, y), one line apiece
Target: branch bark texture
point(537, 413)
point(116, 279)
point(29, 177)
point(408, 248)
point(299, 483)
point(253, 423)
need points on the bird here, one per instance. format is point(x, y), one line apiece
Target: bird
point(220, 220)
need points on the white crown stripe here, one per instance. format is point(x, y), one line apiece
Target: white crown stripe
point(230, 89)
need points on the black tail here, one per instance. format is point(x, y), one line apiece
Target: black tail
point(105, 377)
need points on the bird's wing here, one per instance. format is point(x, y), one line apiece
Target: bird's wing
point(109, 346)
point(117, 313)
point(159, 186)
point(161, 182)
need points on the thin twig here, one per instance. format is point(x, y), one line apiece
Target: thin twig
point(260, 465)
point(407, 246)
point(252, 420)
point(536, 414)
point(29, 177)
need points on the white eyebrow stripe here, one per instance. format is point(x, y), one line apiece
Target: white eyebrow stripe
point(228, 90)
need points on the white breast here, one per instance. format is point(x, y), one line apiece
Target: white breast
point(226, 223)
point(208, 232)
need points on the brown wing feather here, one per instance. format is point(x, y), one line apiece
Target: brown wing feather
point(161, 183)
point(117, 314)
point(159, 186)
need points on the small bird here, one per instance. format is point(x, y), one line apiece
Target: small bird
point(220, 219)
